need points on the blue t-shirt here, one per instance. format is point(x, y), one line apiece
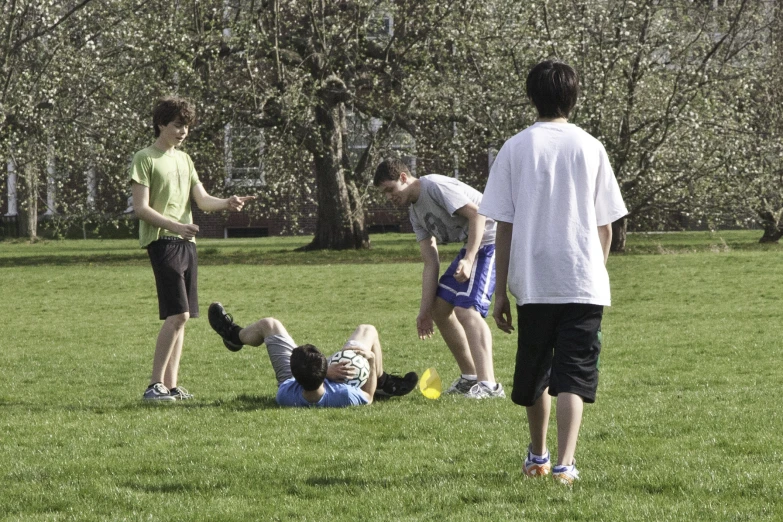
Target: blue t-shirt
point(336, 395)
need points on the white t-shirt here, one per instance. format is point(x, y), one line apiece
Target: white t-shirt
point(433, 214)
point(554, 183)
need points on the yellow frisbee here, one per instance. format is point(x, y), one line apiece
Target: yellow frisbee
point(430, 384)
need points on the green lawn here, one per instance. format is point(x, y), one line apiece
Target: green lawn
point(685, 427)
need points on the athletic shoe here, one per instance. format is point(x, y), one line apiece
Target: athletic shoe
point(396, 386)
point(180, 393)
point(482, 391)
point(461, 385)
point(566, 474)
point(222, 322)
point(537, 466)
point(158, 392)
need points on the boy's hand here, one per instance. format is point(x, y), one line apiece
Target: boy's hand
point(235, 203)
point(502, 312)
point(464, 268)
point(341, 372)
point(187, 231)
point(364, 352)
point(425, 326)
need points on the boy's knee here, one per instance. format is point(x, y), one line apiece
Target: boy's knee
point(367, 330)
point(178, 320)
point(271, 326)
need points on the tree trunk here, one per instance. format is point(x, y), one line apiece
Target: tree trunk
point(619, 234)
point(31, 200)
point(340, 216)
point(771, 223)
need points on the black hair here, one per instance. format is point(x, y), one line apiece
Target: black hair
point(553, 88)
point(308, 366)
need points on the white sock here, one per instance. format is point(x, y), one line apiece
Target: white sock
point(491, 385)
point(469, 377)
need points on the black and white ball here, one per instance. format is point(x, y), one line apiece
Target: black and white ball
point(357, 361)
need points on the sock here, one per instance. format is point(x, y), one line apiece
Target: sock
point(542, 457)
point(469, 377)
point(491, 385)
point(235, 335)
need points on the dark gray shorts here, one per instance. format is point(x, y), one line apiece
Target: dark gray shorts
point(175, 265)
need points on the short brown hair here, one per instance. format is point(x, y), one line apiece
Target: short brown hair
point(390, 170)
point(171, 108)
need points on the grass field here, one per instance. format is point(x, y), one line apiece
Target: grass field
point(686, 425)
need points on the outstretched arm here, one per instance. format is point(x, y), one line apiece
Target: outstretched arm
point(209, 203)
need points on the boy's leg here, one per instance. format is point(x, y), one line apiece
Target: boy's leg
point(479, 340)
point(569, 419)
point(454, 335)
point(170, 333)
point(574, 378)
point(171, 374)
point(535, 343)
point(279, 344)
point(386, 385)
point(255, 334)
point(538, 422)
point(367, 336)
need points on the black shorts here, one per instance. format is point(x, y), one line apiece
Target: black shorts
point(558, 347)
point(175, 265)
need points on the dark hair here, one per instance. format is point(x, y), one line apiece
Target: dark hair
point(308, 366)
point(172, 108)
point(390, 170)
point(553, 87)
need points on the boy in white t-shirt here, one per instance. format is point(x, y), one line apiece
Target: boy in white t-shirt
point(554, 197)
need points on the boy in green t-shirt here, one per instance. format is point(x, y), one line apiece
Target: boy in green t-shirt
point(163, 182)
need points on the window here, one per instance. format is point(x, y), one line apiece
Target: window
point(244, 151)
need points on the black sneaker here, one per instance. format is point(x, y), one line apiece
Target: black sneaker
point(222, 322)
point(396, 386)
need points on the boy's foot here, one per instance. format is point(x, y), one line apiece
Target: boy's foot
point(537, 466)
point(180, 393)
point(482, 391)
point(222, 322)
point(157, 392)
point(461, 385)
point(566, 474)
point(396, 386)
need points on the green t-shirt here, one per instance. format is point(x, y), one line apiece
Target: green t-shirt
point(170, 176)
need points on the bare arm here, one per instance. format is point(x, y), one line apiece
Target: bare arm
point(605, 236)
point(141, 205)
point(476, 223)
point(502, 312)
point(429, 286)
point(209, 203)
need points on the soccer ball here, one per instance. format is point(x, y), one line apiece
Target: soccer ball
point(357, 361)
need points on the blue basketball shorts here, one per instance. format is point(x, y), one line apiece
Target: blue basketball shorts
point(477, 291)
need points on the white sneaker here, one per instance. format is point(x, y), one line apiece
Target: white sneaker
point(461, 385)
point(482, 391)
point(566, 474)
point(158, 392)
point(537, 466)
